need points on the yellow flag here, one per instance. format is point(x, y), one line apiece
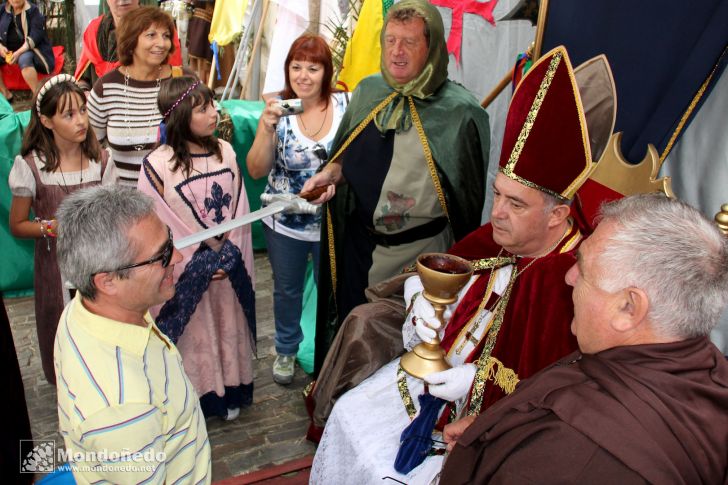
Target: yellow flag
point(363, 52)
point(227, 20)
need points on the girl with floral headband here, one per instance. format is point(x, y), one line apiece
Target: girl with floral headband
point(196, 184)
point(59, 155)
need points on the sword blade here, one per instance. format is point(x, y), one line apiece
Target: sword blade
point(198, 237)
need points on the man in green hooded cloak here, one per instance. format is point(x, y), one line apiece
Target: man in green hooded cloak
point(407, 172)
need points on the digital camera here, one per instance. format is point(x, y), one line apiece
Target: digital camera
point(290, 106)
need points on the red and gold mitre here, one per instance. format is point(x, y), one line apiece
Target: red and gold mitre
point(546, 144)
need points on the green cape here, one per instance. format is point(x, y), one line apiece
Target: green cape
point(458, 134)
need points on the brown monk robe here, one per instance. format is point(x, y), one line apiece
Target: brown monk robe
point(653, 413)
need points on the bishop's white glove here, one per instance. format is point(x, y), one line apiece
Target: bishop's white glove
point(452, 384)
point(412, 287)
point(426, 324)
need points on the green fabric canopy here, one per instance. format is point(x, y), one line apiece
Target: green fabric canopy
point(245, 115)
point(16, 263)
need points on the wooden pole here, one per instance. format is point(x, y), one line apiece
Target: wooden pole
point(498, 89)
point(314, 17)
point(211, 77)
point(535, 49)
point(256, 46)
point(543, 12)
point(504, 82)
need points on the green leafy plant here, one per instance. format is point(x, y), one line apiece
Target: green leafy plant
point(336, 26)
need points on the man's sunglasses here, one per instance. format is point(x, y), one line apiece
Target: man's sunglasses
point(165, 256)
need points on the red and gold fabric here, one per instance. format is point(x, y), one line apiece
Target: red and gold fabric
point(526, 336)
point(545, 123)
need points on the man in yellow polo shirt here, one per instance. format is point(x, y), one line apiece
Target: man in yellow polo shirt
point(126, 408)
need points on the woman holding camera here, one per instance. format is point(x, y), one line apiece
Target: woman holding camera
point(289, 147)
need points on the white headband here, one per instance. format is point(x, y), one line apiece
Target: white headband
point(60, 78)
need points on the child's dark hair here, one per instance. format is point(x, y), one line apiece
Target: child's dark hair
point(178, 107)
point(55, 99)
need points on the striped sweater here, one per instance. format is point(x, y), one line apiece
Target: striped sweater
point(125, 114)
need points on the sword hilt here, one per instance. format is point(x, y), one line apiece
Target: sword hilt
point(314, 193)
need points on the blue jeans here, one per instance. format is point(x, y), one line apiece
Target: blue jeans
point(26, 60)
point(288, 259)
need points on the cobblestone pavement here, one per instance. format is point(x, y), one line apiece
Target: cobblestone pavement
point(270, 432)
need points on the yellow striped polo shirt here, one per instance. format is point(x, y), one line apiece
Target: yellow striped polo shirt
point(127, 411)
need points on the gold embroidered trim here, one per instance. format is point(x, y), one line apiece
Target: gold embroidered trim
point(528, 183)
point(502, 376)
point(590, 165)
point(363, 125)
point(572, 242)
point(453, 413)
point(691, 107)
point(492, 263)
point(344, 146)
point(481, 375)
point(532, 113)
point(428, 156)
point(508, 170)
point(469, 328)
point(332, 250)
point(410, 269)
point(404, 393)
point(308, 389)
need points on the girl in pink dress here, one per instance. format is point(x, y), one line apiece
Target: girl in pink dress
point(196, 184)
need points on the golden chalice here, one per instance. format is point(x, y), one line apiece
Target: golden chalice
point(443, 276)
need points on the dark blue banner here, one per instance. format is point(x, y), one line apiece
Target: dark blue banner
point(661, 53)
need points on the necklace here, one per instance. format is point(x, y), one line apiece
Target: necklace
point(203, 210)
point(326, 113)
point(60, 169)
point(138, 147)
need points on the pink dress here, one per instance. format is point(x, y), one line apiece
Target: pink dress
point(212, 322)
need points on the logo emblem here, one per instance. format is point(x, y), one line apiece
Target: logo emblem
point(37, 456)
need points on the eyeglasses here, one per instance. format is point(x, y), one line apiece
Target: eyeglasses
point(165, 256)
point(437, 447)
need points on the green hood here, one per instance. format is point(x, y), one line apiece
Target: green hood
point(434, 73)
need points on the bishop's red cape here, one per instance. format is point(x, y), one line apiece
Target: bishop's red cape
point(536, 326)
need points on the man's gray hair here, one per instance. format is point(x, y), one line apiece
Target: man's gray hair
point(92, 232)
point(675, 255)
point(551, 201)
